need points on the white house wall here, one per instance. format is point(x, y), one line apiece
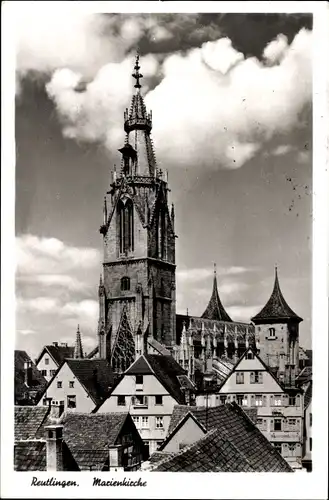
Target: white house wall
point(83, 402)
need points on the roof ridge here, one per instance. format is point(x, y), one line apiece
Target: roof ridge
point(184, 450)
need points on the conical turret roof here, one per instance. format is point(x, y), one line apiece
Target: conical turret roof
point(215, 309)
point(276, 308)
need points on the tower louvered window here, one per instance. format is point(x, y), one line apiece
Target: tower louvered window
point(161, 234)
point(126, 226)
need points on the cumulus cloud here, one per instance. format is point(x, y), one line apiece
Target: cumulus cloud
point(37, 255)
point(275, 50)
point(40, 305)
point(243, 313)
point(282, 149)
point(213, 108)
point(84, 312)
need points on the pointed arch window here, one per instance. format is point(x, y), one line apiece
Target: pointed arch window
point(126, 226)
point(161, 234)
point(125, 283)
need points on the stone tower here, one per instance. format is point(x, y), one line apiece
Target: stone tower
point(137, 288)
point(277, 333)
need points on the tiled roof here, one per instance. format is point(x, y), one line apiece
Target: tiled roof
point(234, 425)
point(165, 368)
point(57, 352)
point(92, 431)
point(91, 459)
point(95, 375)
point(30, 455)
point(276, 307)
point(251, 413)
point(212, 453)
point(23, 393)
point(29, 420)
point(215, 309)
point(159, 455)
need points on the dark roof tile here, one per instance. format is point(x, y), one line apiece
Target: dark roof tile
point(30, 455)
point(215, 309)
point(28, 420)
point(95, 375)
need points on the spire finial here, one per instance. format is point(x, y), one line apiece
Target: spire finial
point(137, 75)
point(215, 270)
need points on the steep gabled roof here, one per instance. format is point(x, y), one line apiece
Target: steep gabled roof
point(215, 309)
point(167, 371)
point(95, 375)
point(38, 382)
point(28, 420)
point(276, 308)
point(178, 425)
point(57, 352)
point(231, 429)
point(308, 395)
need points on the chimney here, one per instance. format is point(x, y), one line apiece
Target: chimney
point(54, 437)
point(64, 344)
point(28, 373)
point(55, 344)
point(115, 458)
point(56, 411)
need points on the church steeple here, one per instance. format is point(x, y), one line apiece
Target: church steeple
point(78, 352)
point(276, 308)
point(215, 309)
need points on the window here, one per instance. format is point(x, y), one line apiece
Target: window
point(44, 373)
point(310, 419)
point(46, 361)
point(222, 399)
point(277, 424)
point(145, 422)
point(136, 421)
point(261, 424)
point(71, 401)
point(292, 400)
point(292, 422)
point(310, 443)
point(259, 400)
point(45, 401)
point(71, 384)
point(278, 400)
point(125, 283)
point(140, 400)
point(59, 385)
point(139, 379)
point(126, 226)
point(158, 400)
point(250, 355)
point(245, 400)
point(52, 372)
point(239, 399)
point(239, 377)
point(159, 422)
point(291, 446)
point(61, 403)
point(121, 401)
point(271, 332)
point(256, 377)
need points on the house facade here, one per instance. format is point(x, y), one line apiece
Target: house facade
point(79, 385)
point(29, 383)
point(279, 409)
point(149, 390)
point(51, 357)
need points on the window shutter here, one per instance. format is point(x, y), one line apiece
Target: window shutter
point(298, 400)
point(285, 426)
point(133, 400)
point(252, 377)
point(272, 425)
point(285, 400)
point(260, 377)
point(264, 400)
point(272, 400)
point(253, 400)
point(233, 397)
point(145, 400)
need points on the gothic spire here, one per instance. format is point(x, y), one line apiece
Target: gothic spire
point(215, 309)
point(276, 308)
point(78, 352)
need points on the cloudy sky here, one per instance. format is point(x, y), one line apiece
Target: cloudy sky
point(231, 101)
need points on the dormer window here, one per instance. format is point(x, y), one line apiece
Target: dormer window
point(250, 355)
point(125, 283)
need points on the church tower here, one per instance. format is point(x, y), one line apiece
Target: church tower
point(277, 333)
point(137, 288)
